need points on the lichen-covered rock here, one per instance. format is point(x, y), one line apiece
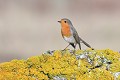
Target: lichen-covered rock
point(64, 65)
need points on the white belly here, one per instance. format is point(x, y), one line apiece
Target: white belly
point(70, 39)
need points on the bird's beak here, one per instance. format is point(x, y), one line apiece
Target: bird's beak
point(59, 21)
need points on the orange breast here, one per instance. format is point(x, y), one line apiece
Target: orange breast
point(65, 31)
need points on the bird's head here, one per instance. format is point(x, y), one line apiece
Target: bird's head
point(65, 22)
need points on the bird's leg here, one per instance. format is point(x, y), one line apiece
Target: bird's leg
point(74, 49)
point(74, 46)
point(66, 47)
point(79, 45)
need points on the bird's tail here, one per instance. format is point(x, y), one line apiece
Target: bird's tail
point(84, 42)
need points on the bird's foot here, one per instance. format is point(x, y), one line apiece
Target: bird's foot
point(65, 49)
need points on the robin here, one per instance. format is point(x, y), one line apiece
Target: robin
point(70, 34)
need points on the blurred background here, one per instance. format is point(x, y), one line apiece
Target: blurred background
point(29, 27)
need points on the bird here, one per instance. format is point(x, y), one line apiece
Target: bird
point(70, 34)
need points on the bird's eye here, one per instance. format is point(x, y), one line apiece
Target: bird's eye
point(65, 21)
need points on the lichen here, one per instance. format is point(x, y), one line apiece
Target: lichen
point(64, 65)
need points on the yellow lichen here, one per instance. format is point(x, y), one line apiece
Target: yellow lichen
point(89, 65)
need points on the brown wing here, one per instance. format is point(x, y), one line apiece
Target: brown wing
point(78, 39)
point(75, 34)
